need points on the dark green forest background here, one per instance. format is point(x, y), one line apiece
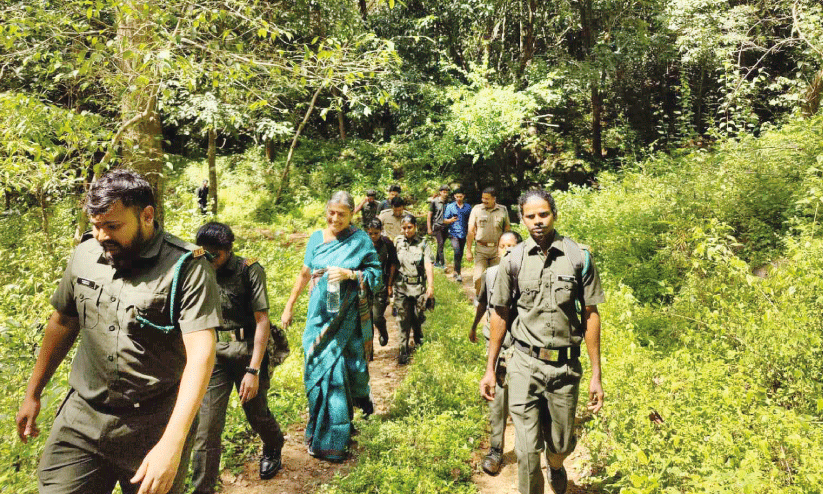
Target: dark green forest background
point(683, 140)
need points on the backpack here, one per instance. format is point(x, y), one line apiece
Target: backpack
point(277, 348)
point(578, 255)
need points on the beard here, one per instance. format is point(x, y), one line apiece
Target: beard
point(123, 256)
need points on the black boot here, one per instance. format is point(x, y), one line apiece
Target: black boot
point(270, 462)
point(365, 404)
point(384, 333)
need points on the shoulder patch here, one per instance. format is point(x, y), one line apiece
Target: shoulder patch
point(198, 252)
point(251, 260)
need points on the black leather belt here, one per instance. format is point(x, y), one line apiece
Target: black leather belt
point(549, 354)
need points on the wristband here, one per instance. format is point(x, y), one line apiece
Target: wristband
point(252, 371)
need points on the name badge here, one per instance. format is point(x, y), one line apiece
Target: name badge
point(88, 283)
point(561, 277)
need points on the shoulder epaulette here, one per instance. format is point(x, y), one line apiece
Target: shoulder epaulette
point(251, 260)
point(198, 252)
point(182, 244)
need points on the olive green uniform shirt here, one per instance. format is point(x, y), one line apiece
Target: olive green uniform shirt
point(120, 362)
point(241, 295)
point(547, 313)
point(411, 256)
point(391, 223)
point(490, 225)
point(369, 211)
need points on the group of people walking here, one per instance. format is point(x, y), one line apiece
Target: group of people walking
point(166, 329)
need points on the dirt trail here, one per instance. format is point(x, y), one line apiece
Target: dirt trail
point(302, 473)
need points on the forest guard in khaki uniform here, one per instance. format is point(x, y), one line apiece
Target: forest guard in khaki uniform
point(387, 254)
point(487, 222)
point(144, 357)
point(241, 360)
point(499, 407)
point(555, 286)
point(413, 285)
point(391, 218)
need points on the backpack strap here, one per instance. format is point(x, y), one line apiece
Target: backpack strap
point(580, 259)
point(515, 262)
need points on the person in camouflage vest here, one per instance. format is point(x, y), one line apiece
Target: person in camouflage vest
point(413, 285)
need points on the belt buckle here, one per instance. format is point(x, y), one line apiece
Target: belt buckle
point(549, 354)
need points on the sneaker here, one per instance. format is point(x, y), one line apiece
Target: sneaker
point(493, 461)
point(270, 462)
point(559, 480)
point(458, 278)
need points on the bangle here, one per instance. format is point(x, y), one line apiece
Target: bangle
point(252, 371)
point(353, 275)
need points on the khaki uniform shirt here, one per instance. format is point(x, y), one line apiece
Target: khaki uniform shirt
point(411, 254)
point(489, 224)
point(547, 314)
point(391, 223)
point(242, 293)
point(119, 361)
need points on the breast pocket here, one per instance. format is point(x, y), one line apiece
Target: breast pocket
point(529, 291)
point(146, 309)
point(565, 296)
point(88, 305)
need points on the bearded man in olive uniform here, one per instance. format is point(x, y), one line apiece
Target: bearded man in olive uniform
point(146, 307)
point(241, 360)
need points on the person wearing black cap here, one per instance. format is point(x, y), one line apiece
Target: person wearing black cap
point(369, 207)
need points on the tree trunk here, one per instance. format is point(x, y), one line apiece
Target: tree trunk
point(142, 150)
point(364, 10)
point(597, 111)
point(270, 150)
point(527, 16)
point(284, 179)
point(213, 170)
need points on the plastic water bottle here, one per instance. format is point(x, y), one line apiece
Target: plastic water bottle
point(333, 297)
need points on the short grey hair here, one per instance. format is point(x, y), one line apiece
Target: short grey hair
point(341, 197)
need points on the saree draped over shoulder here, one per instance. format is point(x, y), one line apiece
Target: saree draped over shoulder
point(336, 372)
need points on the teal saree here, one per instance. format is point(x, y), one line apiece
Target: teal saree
point(336, 372)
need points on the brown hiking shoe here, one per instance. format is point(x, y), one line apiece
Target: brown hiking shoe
point(559, 480)
point(493, 461)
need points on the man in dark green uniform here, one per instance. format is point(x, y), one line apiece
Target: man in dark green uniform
point(556, 288)
point(144, 357)
point(388, 261)
point(241, 360)
point(369, 207)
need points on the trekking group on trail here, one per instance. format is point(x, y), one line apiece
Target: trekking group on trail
point(167, 329)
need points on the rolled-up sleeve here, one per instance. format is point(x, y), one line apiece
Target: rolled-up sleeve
point(63, 298)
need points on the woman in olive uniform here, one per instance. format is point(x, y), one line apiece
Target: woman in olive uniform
point(413, 284)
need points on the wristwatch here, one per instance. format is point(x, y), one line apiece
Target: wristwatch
point(252, 371)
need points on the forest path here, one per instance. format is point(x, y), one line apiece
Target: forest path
point(302, 473)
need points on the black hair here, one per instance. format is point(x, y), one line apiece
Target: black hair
point(445, 187)
point(458, 191)
point(490, 190)
point(540, 194)
point(375, 223)
point(397, 201)
point(409, 218)
point(125, 186)
point(395, 188)
point(514, 234)
point(215, 235)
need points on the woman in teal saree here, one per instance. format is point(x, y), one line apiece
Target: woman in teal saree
point(336, 373)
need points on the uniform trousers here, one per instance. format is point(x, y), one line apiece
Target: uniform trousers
point(484, 258)
point(499, 408)
point(458, 244)
point(410, 318)
point(229, 368)
point(380, 301)
point(90, 449)
point(440, 234)
point(542, 401)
